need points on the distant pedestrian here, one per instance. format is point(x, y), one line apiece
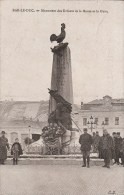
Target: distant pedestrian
point(86, 141)
point(16, 151)
point(93, 142)
point(118, 142)
point(114, 135)
point(122, 152)
point(3, 147)
point(106, 147)
point(96, 142)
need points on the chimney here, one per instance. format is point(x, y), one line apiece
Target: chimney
point(82, 105)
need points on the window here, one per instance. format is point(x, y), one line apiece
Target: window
point(96, 121)
point(106, 121)
point(116, 120)
point(84, 121)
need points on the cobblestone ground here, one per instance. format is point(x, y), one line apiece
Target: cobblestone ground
point(60, 180)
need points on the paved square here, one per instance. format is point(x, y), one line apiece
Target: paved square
point(60, 180)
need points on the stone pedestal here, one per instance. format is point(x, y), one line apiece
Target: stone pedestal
point(61, 77)
point(70, 142)
point(74, 143)
point(62, 82)
point(66, 139)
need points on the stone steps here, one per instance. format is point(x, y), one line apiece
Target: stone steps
point(69, 156)
point(54, 160)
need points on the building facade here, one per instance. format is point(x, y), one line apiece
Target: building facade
point(106, 113)
point(21, 119)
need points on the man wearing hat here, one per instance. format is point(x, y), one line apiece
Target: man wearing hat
point(106, 146)
point(118, 142)
point(3, 147)
point(86, 141)
point(114, 136)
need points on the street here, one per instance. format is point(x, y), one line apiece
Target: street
point(61, 180)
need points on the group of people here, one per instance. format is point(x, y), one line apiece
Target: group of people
point(16, 149)
point(108, 147)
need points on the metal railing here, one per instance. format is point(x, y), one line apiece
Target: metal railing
point(46, 150)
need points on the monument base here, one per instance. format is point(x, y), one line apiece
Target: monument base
point(70, 142)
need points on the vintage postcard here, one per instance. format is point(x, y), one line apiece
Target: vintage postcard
point(61, 97)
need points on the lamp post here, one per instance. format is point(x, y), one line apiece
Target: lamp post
point(91, 123)
point(29, 130)
point(29, 127)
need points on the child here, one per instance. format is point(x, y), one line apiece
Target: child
point(16, 151)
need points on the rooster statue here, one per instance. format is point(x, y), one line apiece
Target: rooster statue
point(60, 37)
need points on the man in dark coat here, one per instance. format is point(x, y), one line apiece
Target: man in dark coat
point(3, 147)
point(93, 139)
point(118, 142)
point(114, 135)
point(86, 141)
point(106, 146)
point(122, 152)
point(96, 142)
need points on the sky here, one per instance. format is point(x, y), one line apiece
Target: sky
point(96, 41)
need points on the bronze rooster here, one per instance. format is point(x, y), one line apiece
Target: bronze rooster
point(60, 37)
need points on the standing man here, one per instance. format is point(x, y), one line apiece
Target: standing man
point(122, 152)
point(96, 142)
point(114, 135)
point(106, 146)
point(93, 141)
point(3, 147)
point(118, 143)
point(86, 141)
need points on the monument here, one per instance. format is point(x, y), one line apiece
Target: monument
point(58, 133)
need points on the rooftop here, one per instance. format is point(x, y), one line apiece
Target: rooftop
point(23, 113)
point(106, 103)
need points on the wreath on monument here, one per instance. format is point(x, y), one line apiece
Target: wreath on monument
point(51, 135)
